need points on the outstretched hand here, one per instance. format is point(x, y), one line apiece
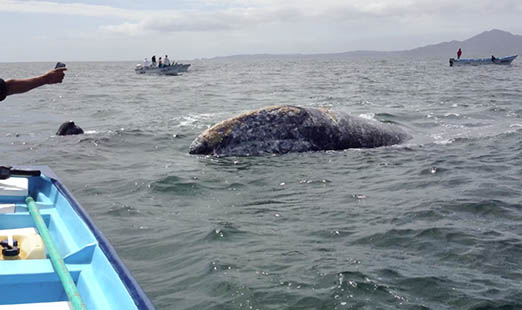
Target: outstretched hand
point(18, 86)
point(54, 76)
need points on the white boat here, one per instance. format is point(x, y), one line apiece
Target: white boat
point(482, 61)
point(164, 70)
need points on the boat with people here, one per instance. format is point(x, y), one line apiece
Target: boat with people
point(173, 69)
point(482, 61)
point(53, 256)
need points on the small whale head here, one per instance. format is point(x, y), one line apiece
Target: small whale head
point(69, 128)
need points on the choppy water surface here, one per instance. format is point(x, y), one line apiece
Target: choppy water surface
point(432, 224)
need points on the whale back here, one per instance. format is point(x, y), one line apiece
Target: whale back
point(283, 129)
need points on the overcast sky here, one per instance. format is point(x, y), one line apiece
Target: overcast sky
point(188, 29)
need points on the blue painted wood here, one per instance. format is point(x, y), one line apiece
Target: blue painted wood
point(102, 279)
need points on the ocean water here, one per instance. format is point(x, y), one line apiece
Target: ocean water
point(434, 223)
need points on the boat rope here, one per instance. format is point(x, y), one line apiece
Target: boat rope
point(56, 259)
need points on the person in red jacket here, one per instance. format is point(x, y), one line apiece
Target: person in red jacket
point(459, 52)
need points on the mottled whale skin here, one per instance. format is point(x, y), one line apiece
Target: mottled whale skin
point(69, 128)
point(284, 129)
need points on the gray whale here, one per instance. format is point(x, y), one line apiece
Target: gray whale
point(283, 129)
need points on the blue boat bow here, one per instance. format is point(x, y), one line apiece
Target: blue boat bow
point(102, 279)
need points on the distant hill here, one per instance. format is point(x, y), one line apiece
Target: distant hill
point(494, 42)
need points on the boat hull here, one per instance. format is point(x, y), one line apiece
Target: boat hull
point(102, 279)
point(482, 61)
point(167, 70)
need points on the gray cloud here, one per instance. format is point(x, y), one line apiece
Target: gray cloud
point(371, 12)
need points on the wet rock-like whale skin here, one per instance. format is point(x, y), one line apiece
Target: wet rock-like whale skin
point(284, 129)
point(68, 129)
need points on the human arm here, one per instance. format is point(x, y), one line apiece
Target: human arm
point(18, 86)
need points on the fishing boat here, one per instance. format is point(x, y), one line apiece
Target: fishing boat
point(482, 61)
point(53, 256)
point(164, 70)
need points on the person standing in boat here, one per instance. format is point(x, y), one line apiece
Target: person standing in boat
point(18, 86)
point(153, 59)
point(459, 53)
point(166, 61)
point(160, 63)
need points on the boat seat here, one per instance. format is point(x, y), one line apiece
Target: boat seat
point(59, 305)
point(7, 207)
point(14, 187)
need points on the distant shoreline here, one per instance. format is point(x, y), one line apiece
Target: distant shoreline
point(493, 42)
